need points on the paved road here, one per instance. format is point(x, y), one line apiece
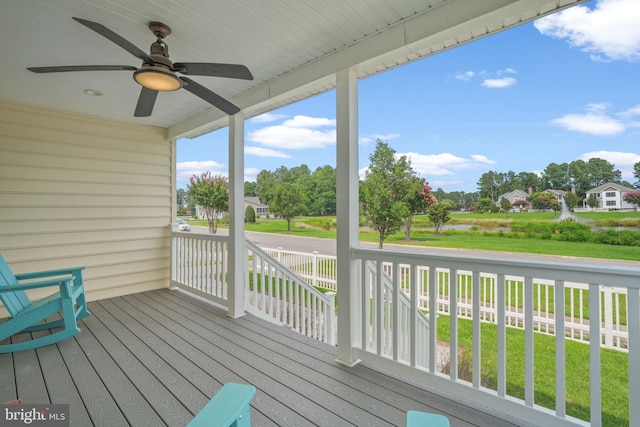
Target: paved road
point(328, 247)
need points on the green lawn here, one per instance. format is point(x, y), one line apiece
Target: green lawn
point(423, 235)
point(614, 365)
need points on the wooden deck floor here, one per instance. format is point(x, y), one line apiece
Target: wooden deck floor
point(156, 358)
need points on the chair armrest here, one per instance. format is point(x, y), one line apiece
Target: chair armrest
point(75, 271)
point(60, 281)
point(229, 407)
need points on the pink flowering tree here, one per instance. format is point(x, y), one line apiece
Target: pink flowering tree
point(212, 194)
point(632, 197)
point(418, 199)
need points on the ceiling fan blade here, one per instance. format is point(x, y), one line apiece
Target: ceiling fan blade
point(209, 96)
point(233, 71)
point(146, 101)
point(117, 39)
point(65, 68)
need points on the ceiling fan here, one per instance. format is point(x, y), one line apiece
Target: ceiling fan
point(157, 72)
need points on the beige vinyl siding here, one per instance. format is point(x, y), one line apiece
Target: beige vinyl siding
point(78, 190)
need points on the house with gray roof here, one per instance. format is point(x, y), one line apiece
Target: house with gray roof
point(513, 196)
point(610, 196)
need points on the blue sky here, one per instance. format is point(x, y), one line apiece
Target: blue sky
point(566, 87)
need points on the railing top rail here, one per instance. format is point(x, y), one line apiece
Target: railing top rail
point(569, 269)
point(198, 236)
point(299, 279)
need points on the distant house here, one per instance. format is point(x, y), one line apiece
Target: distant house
point(260, 209)
point(513, 196)
point(558, 193)
point(610, 196)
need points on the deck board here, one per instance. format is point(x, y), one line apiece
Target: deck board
point(156, 358)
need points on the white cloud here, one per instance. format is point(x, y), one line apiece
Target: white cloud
point(464, 75)
point(185, 170)
point(367, 139)
point(590, 123)
point(267, 118)
point(442, 183)
point(598, 122)
point(608, 32)
point(631, 112)
point(499, 83)
point(444, 163)
point(309, 122)
point(622, 161)
point(250, 174)
point(265, 152)
point(479, 158)
point(299, 133)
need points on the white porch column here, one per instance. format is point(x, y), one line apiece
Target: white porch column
point(236, 276)
point(347, 212)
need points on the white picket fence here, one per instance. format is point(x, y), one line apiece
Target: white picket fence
point(320, 270)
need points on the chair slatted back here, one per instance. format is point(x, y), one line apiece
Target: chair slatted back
point(14, 301)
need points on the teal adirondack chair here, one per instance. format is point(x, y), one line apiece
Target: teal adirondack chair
point(228, 408)
point(27, 316)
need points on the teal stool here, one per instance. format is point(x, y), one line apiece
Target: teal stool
point(425, 419)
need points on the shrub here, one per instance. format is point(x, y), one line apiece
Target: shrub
point(250, 215)
point(570, 231)
point(617, 237)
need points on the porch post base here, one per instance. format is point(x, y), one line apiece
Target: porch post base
point(235, 315)
point(350, 364)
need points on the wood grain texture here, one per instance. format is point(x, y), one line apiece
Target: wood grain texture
point(157, 358)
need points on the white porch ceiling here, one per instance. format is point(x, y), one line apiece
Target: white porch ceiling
point(292, 47)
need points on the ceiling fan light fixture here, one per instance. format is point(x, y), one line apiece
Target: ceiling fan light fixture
point(157, 78)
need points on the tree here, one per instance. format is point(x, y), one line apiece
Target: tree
point(488, 185)
point(288, 201)
point(323, 181)
point(601, 171)
point(636, 174)
point(555, 206)
point(483, 205)
point(383, 191)
point(212, 194)
point(579, 176)
point(265, 186)
point(439, 215)
point(250, 189)
point(542, 201)
point(505, 205)
point(182, 200)
point(521, 204)
point(592, 201)
point(418, 199)
point(632, 197)
point(571, 200)
point(556, 177)
point(529, 180)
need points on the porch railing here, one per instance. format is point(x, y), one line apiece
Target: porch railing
point(283, 296)
point(199, 265)
point(320, 270)
point(424, 277)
